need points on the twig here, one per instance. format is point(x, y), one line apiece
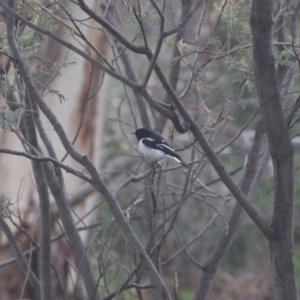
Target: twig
point(111, 29)
point(157, 48)
point(55, 162)
point(141, 25)
point(239, 133)
point(176, 285)
point(197, 42)
point(19, 255)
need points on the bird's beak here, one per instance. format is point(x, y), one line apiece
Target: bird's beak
point(132, 132)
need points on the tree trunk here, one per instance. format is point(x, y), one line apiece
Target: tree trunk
point(281, 149)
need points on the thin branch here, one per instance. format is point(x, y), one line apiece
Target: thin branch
point(174, 73)
point(141, 24)
point(111, 29)
point(191, 241)
point(169, 114)
point(78, 33)
point(293, 112)
point(98, 184)
point(293, 29)
point(131, 75)
point(55, 187)
point(239, 133)
point(42, 188)
point(197, 44)
point(18, 254)
point(215, 161)
point(157, 48)
point(68, 45)
point(55, 162)
point(184, 21)
point(132, 178)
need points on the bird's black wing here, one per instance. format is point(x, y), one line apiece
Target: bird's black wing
point(159, 139)
point(162, 145)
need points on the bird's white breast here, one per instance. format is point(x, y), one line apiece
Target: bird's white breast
point(151, 154)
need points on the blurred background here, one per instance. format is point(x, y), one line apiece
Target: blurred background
point(179, 214)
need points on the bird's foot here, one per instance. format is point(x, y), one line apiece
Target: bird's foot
point(155, 164)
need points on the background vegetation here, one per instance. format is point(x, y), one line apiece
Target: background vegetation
point(92, 219)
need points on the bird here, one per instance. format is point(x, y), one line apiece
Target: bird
point(155, 148)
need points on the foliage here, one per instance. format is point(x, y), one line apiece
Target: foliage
point(236, 19)
point(9, 120)
point(51, 70)
point(169, 220)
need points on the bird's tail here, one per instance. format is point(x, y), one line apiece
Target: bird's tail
point(184, 164)
point(176, 157)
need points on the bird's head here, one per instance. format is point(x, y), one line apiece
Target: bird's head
point(142, 133)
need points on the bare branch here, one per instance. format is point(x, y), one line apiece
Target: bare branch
point(111, 29)
point(98, 183)
point(49, 159)
point(132, 178)
point(18, 253)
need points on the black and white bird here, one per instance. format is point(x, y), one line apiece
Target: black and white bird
point(155, 148)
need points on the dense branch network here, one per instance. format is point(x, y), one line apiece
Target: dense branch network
point(155, 199)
